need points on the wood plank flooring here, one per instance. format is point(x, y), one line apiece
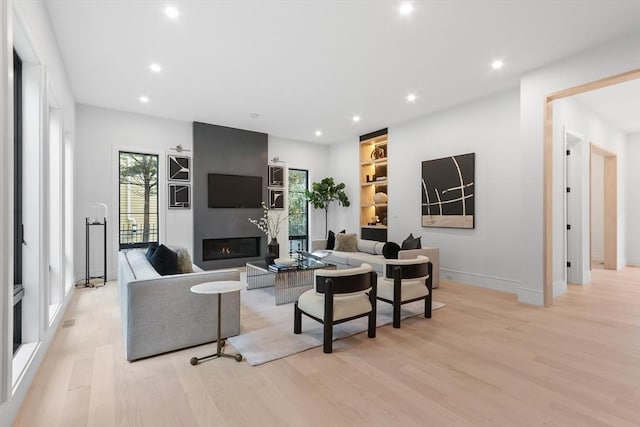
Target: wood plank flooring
point(484, 360)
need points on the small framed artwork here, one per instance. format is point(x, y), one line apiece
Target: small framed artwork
point(276, 199)
point(179, 168)
point(276, 176)
point(179, 196)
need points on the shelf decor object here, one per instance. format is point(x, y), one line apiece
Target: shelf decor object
point(380, 197)
point(448, 192)
point(179, 168)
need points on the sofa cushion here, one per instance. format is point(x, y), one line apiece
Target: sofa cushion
point(165, 261)
point(390, 250)
point(346, 242)
point(184, 259)
point(412, 242)
point(331, 239)
point(368, 246)
point(140, 266)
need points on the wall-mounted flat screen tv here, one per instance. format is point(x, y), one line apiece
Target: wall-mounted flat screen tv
point(234, 191)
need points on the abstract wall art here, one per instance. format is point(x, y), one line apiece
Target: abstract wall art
point(448, 192)
point(179, 196)
point(276, 199)
point(179, 169)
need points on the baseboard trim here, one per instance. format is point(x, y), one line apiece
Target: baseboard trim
point(480, 280)
point(531, 296)
point(559, 288)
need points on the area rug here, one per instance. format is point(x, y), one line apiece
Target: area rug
point(267, 329)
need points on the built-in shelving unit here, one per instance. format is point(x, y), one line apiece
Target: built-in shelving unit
point(373, 179)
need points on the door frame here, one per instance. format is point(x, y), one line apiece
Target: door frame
point(547, 202)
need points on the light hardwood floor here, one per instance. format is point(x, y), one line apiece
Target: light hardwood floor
point(484, 360)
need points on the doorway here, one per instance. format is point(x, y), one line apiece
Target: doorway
point(604, 207)
point(548, 182)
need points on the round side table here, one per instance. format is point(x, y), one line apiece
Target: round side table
point(218, 288)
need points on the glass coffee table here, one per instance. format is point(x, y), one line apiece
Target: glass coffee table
point(289, 282)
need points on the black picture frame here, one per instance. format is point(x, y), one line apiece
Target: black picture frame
point(179, 196)
point(448, 192)
point(276, 199)
point(276, 176)
point(178, 168)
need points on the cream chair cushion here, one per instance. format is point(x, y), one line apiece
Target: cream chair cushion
point(344, 305)
point(410, 288)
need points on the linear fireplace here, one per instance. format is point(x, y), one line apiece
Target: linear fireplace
point(233, 247)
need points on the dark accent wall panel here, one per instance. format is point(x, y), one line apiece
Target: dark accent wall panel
point(224, 150)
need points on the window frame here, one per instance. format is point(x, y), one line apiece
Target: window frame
point(134, 245)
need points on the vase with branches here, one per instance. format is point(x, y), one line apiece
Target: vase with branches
point(269, 223)
point(323, 193)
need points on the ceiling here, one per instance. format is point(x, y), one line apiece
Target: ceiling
point(307, 65)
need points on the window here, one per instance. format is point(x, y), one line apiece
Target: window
point(18, 230)
point(138, 199)
point(298, 210)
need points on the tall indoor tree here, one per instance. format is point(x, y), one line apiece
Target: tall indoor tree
point(323, 193)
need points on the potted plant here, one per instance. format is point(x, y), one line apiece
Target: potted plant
point(323, 193)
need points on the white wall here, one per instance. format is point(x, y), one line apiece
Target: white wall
point(609, 59)
point(344, 166)
point(597, 208)
point(487, 255)
point(632, 178)
point(302, 155)
point(101, 134)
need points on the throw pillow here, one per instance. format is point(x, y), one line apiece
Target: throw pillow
point(165, 261)
point(151, 250)
point(184, 259)
point(331, 239)
point(390, 250)
point(346, 242)
point(412, 242)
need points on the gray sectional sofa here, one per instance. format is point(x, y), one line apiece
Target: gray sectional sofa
point(370, 252)
point(161, 314)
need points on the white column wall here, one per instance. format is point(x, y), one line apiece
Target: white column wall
point(101, 134)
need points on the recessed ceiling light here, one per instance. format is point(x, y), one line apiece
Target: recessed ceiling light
point(497, 64)
point(318, 132)
point(144, 99)
point(156, 68)
point(405, 8)
point(355, 118)
point(171, 12)
point(411, 97)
